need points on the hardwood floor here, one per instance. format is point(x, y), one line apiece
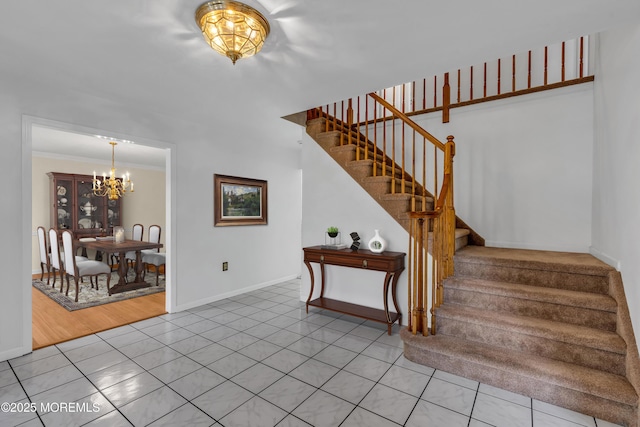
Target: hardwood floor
point(53, 324)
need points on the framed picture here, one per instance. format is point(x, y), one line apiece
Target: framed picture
point(239, 201)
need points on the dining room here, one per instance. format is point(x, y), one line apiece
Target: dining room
point(59, 154)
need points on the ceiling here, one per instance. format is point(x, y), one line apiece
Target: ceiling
point(47, 142)
point(149, 56)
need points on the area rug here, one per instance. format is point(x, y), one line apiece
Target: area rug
point(90, 297)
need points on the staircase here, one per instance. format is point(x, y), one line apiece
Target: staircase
point(552, 326)
point(542, 324)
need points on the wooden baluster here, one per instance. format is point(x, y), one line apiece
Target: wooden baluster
point(513, 73)
point(581, 57)
point(529, 73)
point(499, 73)
point(326, 120)
point(484, 90)
point(424, 94)
point(419, 279)
point(411, 273)
point(458, 85)
point(384, 135)
point(562, 71)
point(366, 127)
point(402, 164)
point(435, 267)
point(393, 145)
point(413, 171)
point(435, 92)
point(335, 116)
point(424, 173)
point(375, 137)
point(471, 83)
point(342, 123)
point(446, 99)
point(413, 96)
point(349, 121)
point(435, 173)
point(546, 63)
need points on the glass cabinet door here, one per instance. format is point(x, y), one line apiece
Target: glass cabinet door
point(91, 212)
point(64, 203)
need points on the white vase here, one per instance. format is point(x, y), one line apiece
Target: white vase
point(377, 244)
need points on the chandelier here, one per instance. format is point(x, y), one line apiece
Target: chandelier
point(232, 29)
point(112, 187)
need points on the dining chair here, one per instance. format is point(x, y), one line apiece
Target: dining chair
point(154, 237)
point(81, 269)
point(157, 259)
point(55, 260)
point(44, 252)
point(153, 256)
point(136, 234)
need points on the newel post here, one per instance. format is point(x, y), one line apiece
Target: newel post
point(450, 213)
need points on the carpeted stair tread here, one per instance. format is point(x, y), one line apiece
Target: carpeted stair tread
point(549, 329)
point(586, 380)
point(568, 262)
point(533, 293)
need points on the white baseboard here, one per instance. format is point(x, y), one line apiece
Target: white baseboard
point(605, 258)
point(14, 352)
point(219, 297)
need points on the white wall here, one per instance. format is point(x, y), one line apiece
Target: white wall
point(332, 198)
point(257, 255)
point(616, 206)
point(145, 206)
point(522, 168)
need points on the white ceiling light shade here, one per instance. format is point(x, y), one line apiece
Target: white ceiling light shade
point(232, 29)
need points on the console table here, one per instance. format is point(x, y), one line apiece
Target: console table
point(390, 262)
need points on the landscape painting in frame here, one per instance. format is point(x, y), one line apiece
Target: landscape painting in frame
point(239, 201)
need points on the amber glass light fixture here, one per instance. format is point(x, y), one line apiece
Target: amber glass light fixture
point(111, 186)
point(232, 29)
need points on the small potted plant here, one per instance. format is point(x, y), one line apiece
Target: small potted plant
point(332, 231)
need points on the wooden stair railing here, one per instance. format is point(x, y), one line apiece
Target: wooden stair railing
point(398, 149)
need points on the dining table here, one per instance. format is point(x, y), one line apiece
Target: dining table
point(110, 246)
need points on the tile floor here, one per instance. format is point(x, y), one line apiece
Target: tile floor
point(256, 359)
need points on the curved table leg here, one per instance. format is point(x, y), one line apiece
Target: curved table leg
point(308, 264)
point(385, 297)
point(394, 284)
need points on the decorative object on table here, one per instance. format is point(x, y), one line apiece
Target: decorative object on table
point(239, 201)
point(333, 239)
point(118, 234)
point(377, 244)
point(333, 236)
point(232, 29)
point(112, 187)
point(355, 245)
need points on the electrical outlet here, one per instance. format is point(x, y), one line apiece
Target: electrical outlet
point(225, 266)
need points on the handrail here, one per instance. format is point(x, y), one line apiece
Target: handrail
point(397, 113)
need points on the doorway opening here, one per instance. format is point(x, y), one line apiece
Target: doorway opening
point(59, 147)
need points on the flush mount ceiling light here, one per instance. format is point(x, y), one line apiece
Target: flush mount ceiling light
point(232, 29)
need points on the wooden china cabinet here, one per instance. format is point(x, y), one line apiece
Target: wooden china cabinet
point(73, 206)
